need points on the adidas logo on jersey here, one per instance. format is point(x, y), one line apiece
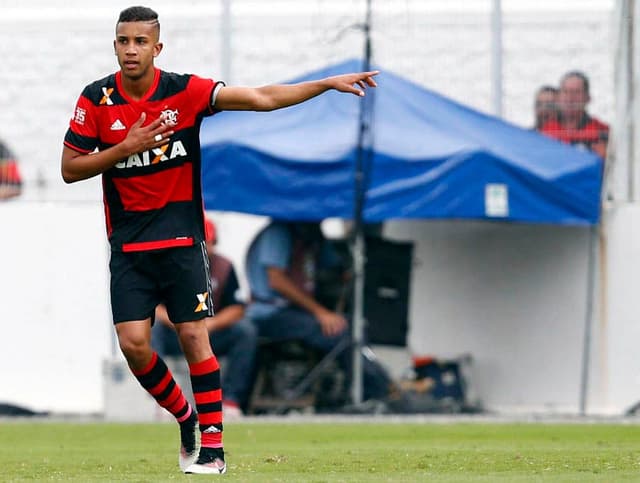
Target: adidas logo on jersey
point(117, 125)
point(154, 156)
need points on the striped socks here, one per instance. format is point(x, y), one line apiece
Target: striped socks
point(157, 379)
point(205, 382)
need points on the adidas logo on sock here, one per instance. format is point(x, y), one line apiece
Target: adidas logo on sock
point(211, 429)
point(117, 125)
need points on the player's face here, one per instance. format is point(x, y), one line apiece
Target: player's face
point(136, 46)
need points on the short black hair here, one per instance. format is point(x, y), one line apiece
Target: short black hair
point(547, 88)
point(139, 14)
point(580, 75)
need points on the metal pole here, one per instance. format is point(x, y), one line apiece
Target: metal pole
point(362, 162)
point(358, 317)
point(588, 324)
point(496, 57)
point(225, 29)
point(629, 14)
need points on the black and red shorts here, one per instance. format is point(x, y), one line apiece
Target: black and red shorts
point(178, 277)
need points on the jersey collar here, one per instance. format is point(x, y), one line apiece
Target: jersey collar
point(147, 95)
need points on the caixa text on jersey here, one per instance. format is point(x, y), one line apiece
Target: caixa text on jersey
point(154, 156)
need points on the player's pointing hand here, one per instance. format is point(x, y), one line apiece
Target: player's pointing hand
point(354, 83)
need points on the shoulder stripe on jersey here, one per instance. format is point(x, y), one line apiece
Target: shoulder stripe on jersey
point(103, 92)
point(169, 85)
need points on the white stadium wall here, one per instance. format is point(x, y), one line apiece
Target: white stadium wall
point(514, 296)
point(55, 311)
point(56, 328)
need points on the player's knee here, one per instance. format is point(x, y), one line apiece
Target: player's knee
point(134, 348)
point(190, 335)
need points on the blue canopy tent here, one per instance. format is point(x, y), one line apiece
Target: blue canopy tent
point(431, 158)
point(428, 158)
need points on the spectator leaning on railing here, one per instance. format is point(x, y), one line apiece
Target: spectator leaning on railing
point(574, 125)
point(545, 106)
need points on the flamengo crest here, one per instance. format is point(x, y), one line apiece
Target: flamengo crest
point(170, 117)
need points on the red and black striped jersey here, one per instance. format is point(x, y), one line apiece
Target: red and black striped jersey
point(152, 199)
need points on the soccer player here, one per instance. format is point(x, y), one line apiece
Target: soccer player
point(139, 129)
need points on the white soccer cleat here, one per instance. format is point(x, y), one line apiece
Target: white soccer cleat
point(188, 442)
point(215, 467)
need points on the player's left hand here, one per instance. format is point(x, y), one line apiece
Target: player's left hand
point(354, 83)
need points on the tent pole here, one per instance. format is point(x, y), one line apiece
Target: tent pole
point(586, 349)
point(358, 317)
point(363, 159)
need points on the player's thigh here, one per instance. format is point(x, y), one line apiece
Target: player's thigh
point(134, 288)
point(187, 284)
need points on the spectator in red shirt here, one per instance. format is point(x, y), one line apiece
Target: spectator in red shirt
point(575, 126)
point(10, 180)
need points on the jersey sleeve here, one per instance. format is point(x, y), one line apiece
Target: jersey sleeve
point(82, 134)
point(201, 93)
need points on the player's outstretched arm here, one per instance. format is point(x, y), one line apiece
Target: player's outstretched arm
point(269, 98)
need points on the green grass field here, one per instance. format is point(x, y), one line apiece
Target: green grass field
point(317, 452)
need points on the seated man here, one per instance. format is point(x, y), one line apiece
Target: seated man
point(282, 263)
point(230, 334)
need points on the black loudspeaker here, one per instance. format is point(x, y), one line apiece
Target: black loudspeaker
point(386, 291)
